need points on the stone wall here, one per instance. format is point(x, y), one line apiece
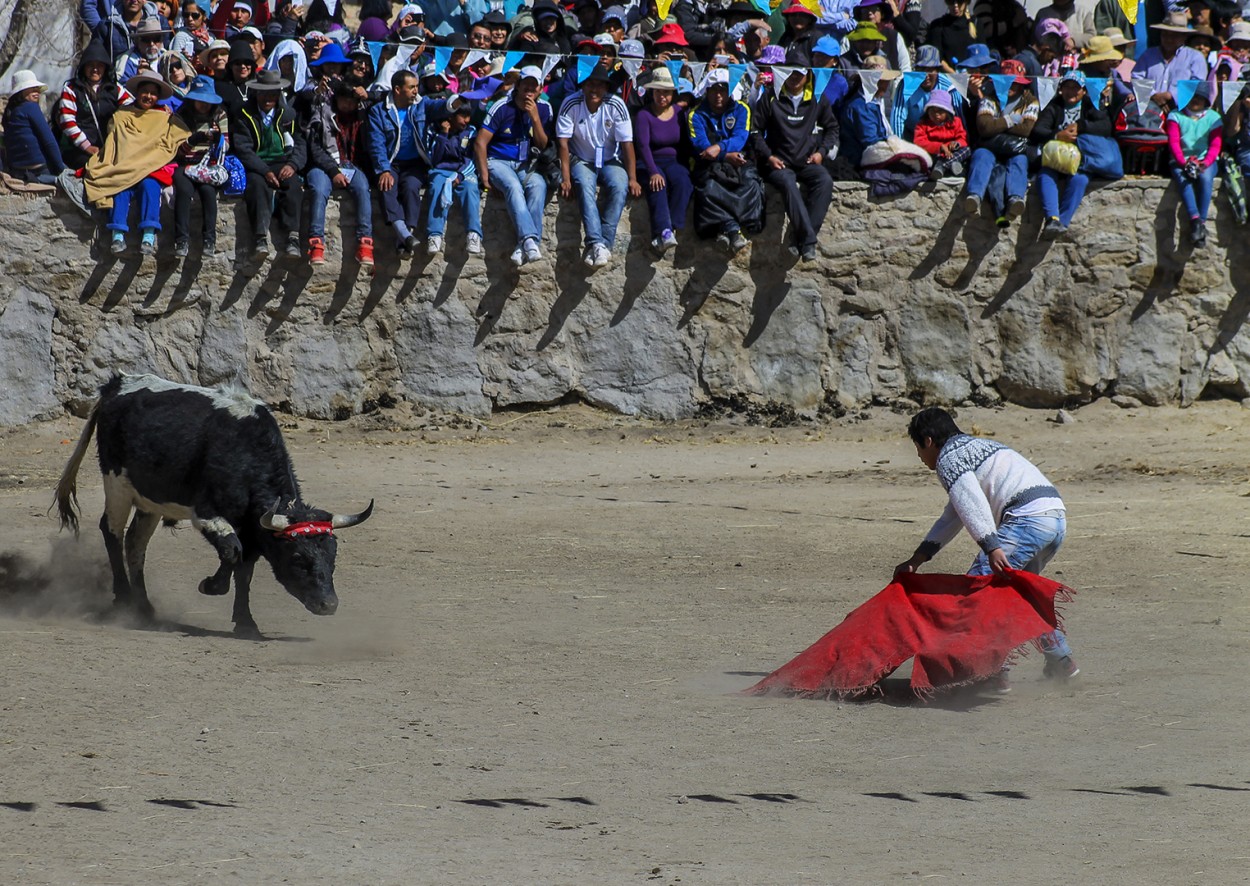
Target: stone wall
point(909, 298)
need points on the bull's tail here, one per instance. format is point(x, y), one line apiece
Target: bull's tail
point(67, 487)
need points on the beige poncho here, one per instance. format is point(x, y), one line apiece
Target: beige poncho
point(138, 144)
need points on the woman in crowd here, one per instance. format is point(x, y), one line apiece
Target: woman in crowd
point(1001, 158)
point(88, 102)
point(659, 130)
point(204, 116)
point(1069, 114)
point(1195, 139)
point(192, 36)
point(952, 34)
point(31, 151)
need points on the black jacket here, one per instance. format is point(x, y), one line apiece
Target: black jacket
point(245, 135)
point(793, 134)
point(1092, 121)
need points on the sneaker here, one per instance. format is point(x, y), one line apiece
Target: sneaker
point(293, 249)
point(667, 240)
point(1001, 682)
point(808, 254)
point(316, 251)
point(972, 204)
point(955, 169)
point(531, 250)
point(794, 250)
point(473, 243)
point(1197, 233)
point(117, 246)
point(181, 248)
point(210, 245)
point(364, 251)
point(603, 255)
point(147, 247)
point(518, 257)
point(588, 256)
point(1015, 207)
point(737, 242)
point(261, 251)
point(1053, 229)
point(1060, 668)
point(434, 245)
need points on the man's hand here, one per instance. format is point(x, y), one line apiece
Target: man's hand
point(566, 188)
point(1162, 99)
point(386, 181)
point(340, 181)
point(735, 158)
point(912, 565)
point(286, 172)
point(635, 189)
point(711, 153)
point(776, 162)
point(272, 180)
point(998, 561)
point(816, 159)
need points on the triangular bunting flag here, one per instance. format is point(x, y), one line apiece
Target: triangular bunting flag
point(442, 56)
point(475, 56)
point(662, 7)
point(1046, 88)
point(820, 80)
point(763, 6)
point(375, 52)
point(1002, 83)
point(332, 6)
point(697, 70)
point(511, 60)
point(1228, 98)
point(868, 81)
point(585, 64)
point(736, 73)
point(1184, 92)
point(960, 82)
point(911, 82)
point(1143, 89)
point(780, 75)
point(549, 63)
point(1094, 87)
point(404, 53)
point(674, 68)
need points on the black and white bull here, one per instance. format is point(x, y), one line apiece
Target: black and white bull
point(214, 457)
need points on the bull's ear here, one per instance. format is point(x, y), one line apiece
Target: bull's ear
point(272, 520)
point(342, 521)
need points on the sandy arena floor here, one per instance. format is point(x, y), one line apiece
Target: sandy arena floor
point(529, 677)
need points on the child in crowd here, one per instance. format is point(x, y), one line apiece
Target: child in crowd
point(943, 135)
point(453, 179)
point(1195, 140)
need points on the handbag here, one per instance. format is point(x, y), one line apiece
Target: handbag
point(238, 176)
point(1063, 157)
point(208, 170)
point(1004, 146)
point(1100, 157)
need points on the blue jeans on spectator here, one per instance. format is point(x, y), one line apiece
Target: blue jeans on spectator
point(1030, 543)
point(466, 194)
point(600, 227)
point(524, 193)
point(322, 186)
point(983, 163)
point(149, 191)
point(668, 207)
point(1196, 194)
point(1061, 194)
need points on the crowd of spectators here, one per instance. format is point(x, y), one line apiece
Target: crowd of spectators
point(698, 105)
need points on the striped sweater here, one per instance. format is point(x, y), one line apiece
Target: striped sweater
point(986, 482)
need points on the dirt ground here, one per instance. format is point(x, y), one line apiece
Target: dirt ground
point(530, 676)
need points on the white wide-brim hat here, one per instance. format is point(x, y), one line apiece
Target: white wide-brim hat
point(24, 80)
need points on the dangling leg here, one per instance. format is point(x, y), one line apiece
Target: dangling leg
point(244, 624)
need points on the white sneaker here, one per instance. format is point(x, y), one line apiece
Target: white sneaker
point(434, 245)
point(668, 240)
point(588, 257)
point(473, 243)
point(532, 252)
point(518, 257)
point(603, 255)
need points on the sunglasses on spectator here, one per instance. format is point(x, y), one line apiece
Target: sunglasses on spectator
point(191, 15)
point(151, 40)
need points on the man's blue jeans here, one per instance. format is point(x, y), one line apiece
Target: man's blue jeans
point(524, 193)
point(600, 227)
point(1196, 195)
point(1073, 188)
point(466, 194)
point(1030, 543)
point(322, 186)
point(983, 163)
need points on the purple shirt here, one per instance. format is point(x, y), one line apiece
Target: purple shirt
point(1187, 64)
point(657, 138)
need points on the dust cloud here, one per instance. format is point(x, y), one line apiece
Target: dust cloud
point(70, 580)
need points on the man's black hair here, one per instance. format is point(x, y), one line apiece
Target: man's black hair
point(935, 423)
point(400, 77)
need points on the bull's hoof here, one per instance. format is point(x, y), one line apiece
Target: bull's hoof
point(248, 631)
point(212, 588)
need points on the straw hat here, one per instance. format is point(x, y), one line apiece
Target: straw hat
point(164, 90)
point(1176, 22)
point(1100, 49)
point(1116, 36)
point(661, 78)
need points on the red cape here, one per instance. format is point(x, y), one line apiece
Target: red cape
point(957, 627)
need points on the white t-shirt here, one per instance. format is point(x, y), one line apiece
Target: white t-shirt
point(594, 137)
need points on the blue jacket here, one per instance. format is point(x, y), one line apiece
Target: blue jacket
point(28, 139)
point(384, 123)
point(729, 129)
point(862, 125)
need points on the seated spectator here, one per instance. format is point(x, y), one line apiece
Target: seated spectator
point(794, 132)
point(1077, 15)
point(943, 135)
point(1195, 139)
point(238, 18)
point(141, 142)
point(1171, 61)
point(149, 44)
point(862, 43)
point(1238, 43)
point(952, 34)
point(192, 36)
point(729, 195)
point(397, 151)
point(827, 53)
point(880, 15)
point(240, 69)
point(453, 178)
point(88, 102)
point(31, 152)
point(1038, 56)
point(338, 153)
point(287, 19)
point(801, 33)
point(204, 116)
point(1101, 60)
point(1069, 114)
point(500, 29)
point(1236, 136)
point(507, 152)
point(214, 59)
point(271, 146)
point(862, 123)
point(659, 132)
point(999, 168)
point(906, 113)
point(595, 137)
point(291, 64)
point(176, 70)
point(360, 74)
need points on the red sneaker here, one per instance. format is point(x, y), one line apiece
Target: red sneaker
point(316, 251)
point(364, 251)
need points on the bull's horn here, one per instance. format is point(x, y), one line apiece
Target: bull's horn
point(342, 521)
point(273, 521)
